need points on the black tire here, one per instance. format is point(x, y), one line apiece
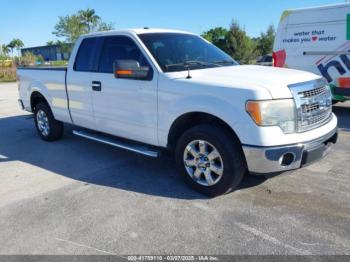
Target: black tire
point(55, 131)
point(230, 150)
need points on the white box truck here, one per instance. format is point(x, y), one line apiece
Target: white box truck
point(317, 40)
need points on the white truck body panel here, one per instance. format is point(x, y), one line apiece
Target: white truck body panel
point(80, 99)
point(126, 108)
point(49, 83)
point(178, 96)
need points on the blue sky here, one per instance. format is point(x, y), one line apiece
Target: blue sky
point(33, 20)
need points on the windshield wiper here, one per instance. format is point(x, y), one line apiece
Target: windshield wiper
point(193, 63)
point(224, 62)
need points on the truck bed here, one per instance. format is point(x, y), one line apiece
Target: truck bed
point(51, 82)
point(56, 68)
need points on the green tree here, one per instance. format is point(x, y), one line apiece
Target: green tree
point(103, 26)
point(217, 36)
point(15, 44)
point(70, 27)
point(264, 43)
point(89, 18)
point(85, 21)
point(50, 43)
point(239, 45)
point(5, 49)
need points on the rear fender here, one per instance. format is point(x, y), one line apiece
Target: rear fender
point(37, 86)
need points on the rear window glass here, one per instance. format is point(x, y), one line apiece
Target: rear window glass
point(85, 60)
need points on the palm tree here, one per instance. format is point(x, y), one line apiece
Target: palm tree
point(5, 49)
point(19, 45)
point(50, 43)
point(89, 18)
point(11, 47)
point(15, 44)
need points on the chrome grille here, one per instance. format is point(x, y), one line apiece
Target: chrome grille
point(313, 92)
point(310, 108)
point(313, 103)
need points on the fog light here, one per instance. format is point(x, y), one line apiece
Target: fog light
point(287, 159)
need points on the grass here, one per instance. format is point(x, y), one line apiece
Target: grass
point(5, 80)
point(7, 74)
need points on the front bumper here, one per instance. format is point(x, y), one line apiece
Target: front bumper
point(264, 160)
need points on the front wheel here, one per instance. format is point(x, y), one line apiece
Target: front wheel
point(49, 129)
point(210, 159)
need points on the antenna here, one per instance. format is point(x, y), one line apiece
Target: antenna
point(188, 72)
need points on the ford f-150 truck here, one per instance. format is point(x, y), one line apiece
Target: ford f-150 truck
point(149, 89)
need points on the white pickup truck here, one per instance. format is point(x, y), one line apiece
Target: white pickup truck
point(145, 90)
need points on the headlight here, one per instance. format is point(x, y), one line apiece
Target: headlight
point(273, 113)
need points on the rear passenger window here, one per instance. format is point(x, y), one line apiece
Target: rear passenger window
point(119, 48)
point(86, 59)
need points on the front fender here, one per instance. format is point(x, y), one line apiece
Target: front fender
point(204, 104)
point(231, 111)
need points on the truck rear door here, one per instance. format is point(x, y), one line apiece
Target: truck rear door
point(79, 82)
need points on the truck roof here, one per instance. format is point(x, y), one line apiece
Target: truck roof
point(330, 6)
point(137, 31)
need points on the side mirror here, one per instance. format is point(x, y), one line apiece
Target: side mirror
point(131, 69)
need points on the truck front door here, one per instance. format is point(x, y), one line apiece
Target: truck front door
point(124, 107)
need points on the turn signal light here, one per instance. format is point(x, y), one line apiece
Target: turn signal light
point(124, 72)
point(253, 108)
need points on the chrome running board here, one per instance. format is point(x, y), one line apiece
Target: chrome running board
point(143, 150)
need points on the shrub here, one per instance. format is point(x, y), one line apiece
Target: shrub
point(6, 63)
point(7, 70)
point(27, 59)
point(59, 63)
point(7, 74)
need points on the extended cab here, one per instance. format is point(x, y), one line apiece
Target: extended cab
point(148, 89)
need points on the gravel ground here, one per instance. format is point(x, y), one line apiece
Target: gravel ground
point(79, 197)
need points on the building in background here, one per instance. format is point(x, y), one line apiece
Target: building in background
point(50, 52)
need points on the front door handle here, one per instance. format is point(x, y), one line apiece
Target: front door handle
point(96, 86)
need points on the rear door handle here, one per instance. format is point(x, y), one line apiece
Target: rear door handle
point(96, 86)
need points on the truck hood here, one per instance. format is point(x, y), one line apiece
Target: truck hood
point(260, 78)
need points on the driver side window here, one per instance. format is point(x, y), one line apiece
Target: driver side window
point(119, 48)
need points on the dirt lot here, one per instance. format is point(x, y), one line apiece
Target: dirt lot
point(79, 197)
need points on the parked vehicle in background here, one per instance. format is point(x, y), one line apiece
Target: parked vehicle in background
point(265, 60)
point(317, 40)
point(166, 89)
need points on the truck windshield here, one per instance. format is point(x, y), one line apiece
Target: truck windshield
point(179, 52)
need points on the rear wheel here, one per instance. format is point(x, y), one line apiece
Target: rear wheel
point(210, 159)
point(49, 129)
